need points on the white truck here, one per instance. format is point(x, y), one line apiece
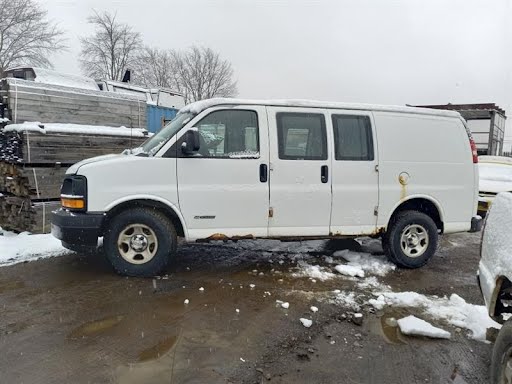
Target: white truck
point(495, 280)
point(238, 169)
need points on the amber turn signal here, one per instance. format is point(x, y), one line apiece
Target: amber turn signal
point(75, 203)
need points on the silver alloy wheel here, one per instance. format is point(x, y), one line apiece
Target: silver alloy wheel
point(506, 376)
point(414, 240)
point(137, 243)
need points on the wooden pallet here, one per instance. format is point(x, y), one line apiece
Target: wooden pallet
point(24, 180)
point(20, 214)
point(51, 148)
point(31, 101)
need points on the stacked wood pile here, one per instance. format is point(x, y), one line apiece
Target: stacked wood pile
point(25, 100)
point(32, 167)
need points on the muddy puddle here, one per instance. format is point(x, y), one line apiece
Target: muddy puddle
point(6, 286)
point(386, 326)
point(157, 350)
point(94, 328)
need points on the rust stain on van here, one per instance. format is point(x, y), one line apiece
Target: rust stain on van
point(378, 231)
point(403, 179)
point(221, 236)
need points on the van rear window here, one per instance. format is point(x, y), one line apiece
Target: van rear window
point(301, 136)
point(352, 137)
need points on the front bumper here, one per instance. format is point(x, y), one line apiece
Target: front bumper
point(476, 224)
point(79, 229)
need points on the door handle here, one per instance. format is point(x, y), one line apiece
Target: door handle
point(324, 174)
point(263, 173)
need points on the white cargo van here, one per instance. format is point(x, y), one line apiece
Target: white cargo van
point(236, 169)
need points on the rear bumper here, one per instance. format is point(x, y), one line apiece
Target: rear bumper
point(476, 224)
point(80, 229)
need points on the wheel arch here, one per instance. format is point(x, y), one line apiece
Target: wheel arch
point(161, 205)
point(420, 203)
point(502, 290)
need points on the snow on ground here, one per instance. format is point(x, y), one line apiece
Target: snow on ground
point(350, 270)
point(346, 299)
point(411, 325)
point(306, 322)
point(453, 310)
point(371, 264)
point(313, 271)
point(16, 248)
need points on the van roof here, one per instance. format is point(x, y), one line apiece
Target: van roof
point(199, 106)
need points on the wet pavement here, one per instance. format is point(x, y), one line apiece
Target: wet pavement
point(70, 319)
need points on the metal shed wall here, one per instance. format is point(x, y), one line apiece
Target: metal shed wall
point(156, 116)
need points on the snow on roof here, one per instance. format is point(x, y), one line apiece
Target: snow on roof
point(74, 91)
point(48, 76)
point(78, 129)
point(199, 106)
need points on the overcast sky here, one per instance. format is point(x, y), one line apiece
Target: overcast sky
point(373, 51)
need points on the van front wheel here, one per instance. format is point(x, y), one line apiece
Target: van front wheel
point(139, 242)
point(411, 239)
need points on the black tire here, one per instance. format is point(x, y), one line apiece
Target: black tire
point(163, 230)
point(501, 352)
point(391, 241)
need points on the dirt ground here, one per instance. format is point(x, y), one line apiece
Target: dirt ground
point(70, 319)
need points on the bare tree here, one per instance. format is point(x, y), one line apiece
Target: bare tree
point(111, 49)
point(27, 37)
point(154, 68)
point(200, 73)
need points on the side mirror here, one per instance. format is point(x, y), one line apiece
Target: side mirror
point(191, 142)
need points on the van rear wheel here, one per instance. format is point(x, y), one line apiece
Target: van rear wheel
point(411, 239)
point(139, 242)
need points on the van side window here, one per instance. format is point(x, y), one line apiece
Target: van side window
point(352, 138)
point(231, 134)
point(301, 136)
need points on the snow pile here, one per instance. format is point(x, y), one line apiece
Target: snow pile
point(3, 120)
point(28, 86)
point(346, 299)
point(454, 310)
point(16, 249)
point(48, 76)
point(313, 271)
point(350, 270)
point(77, 129)
point(370, 264)
point(411, 325)
point(306, 322)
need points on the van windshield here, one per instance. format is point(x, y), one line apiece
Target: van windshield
point(157, 141)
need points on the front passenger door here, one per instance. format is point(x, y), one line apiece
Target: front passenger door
point(221, 188)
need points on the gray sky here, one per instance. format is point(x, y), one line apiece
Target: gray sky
point(372, 51)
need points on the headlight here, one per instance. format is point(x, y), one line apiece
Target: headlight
point(73, 194)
